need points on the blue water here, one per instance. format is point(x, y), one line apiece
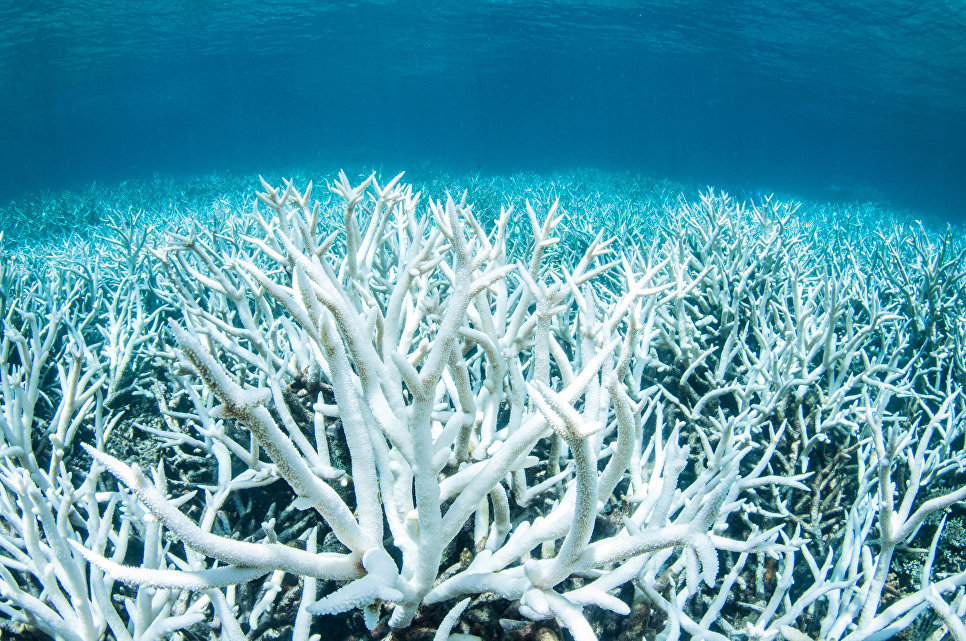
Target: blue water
point(834, 100)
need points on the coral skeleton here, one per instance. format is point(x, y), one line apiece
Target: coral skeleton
point(742, 420)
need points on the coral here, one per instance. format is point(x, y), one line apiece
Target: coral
point(725, 421)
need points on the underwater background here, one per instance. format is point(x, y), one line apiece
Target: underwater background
point(684, 282)
point(825, 100)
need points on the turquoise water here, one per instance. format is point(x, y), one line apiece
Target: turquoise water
point(784, 362)
point(828, 100)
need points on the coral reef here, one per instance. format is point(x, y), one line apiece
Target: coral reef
point(597, 412)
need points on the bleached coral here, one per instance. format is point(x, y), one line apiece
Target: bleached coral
point(562, 423)
point(50, 523)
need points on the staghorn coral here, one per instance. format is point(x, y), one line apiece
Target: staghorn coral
point(545, 415)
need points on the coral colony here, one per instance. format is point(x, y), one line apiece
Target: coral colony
point(718, 421)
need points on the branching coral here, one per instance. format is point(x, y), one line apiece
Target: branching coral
point(459, 409)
